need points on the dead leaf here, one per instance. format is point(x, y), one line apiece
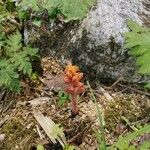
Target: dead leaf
point(56, 83)
point(53, 131)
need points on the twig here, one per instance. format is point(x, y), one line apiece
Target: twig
point(106, 94)
point(135, 90)
point(116, 82)
point(4, 120)
point(141, 121)
point(39, 132)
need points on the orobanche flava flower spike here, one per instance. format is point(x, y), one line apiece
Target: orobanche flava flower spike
point(72, 77)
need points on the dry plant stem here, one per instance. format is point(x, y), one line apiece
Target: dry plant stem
point(74, 104)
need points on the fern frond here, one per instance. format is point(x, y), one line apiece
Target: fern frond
point(2, 42)
point(2, 38)
point(29, 51)
point(138, 40)
point(19, 55)
point(22, 62)
point(8, 76)
point(13, 44)
point(17, 59)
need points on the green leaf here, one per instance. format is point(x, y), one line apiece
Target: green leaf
point(17, 60)
point(70, 9)
point(2, 39)
point(63, 98)
point(5, 14)
point(132, 148)
point(138, 40)
point(40, 147)
point(145, 129)
point(123, 142)
point(26, 4)
point(102, 144)
point(13, 44)
point(9, 78)
point(37, 23)
point(147, 85)
point(145, 145)
point(22, 62)
point(134, 26)
point(76, 9)
point(29, 51)
point(52, 6)
point(69, 147)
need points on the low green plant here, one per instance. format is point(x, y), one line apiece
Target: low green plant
point(128, 123)
point(66, 147)
point(40, 147)
point(69, 147)
point(63, 98)
point(123, 143)
point(6, 11)
point(69, 9)
point(16, 59)
point(138, 40)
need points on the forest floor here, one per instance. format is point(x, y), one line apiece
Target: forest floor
point(122, 106)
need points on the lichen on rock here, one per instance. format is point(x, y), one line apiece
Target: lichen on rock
point(98, 45)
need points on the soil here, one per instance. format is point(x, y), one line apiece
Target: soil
point(20, 128)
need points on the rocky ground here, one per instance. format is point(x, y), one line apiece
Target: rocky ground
point(19, 129)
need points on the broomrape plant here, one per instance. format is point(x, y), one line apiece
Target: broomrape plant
point(72, 77)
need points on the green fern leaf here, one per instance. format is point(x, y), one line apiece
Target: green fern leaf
point(22, 62)
point(138, 40)
point(29, 51)
point(19, 55)
point(17, 59)
point(13, 44)
point(8, 76)
point(2, 39)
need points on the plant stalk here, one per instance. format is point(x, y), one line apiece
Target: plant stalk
point(74, 104)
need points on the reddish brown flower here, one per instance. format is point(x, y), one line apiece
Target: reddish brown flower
point(72, 77)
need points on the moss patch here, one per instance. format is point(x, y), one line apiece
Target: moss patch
point(132, 107)
point(18, 137)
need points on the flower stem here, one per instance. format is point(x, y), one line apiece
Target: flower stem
point(74, 104)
